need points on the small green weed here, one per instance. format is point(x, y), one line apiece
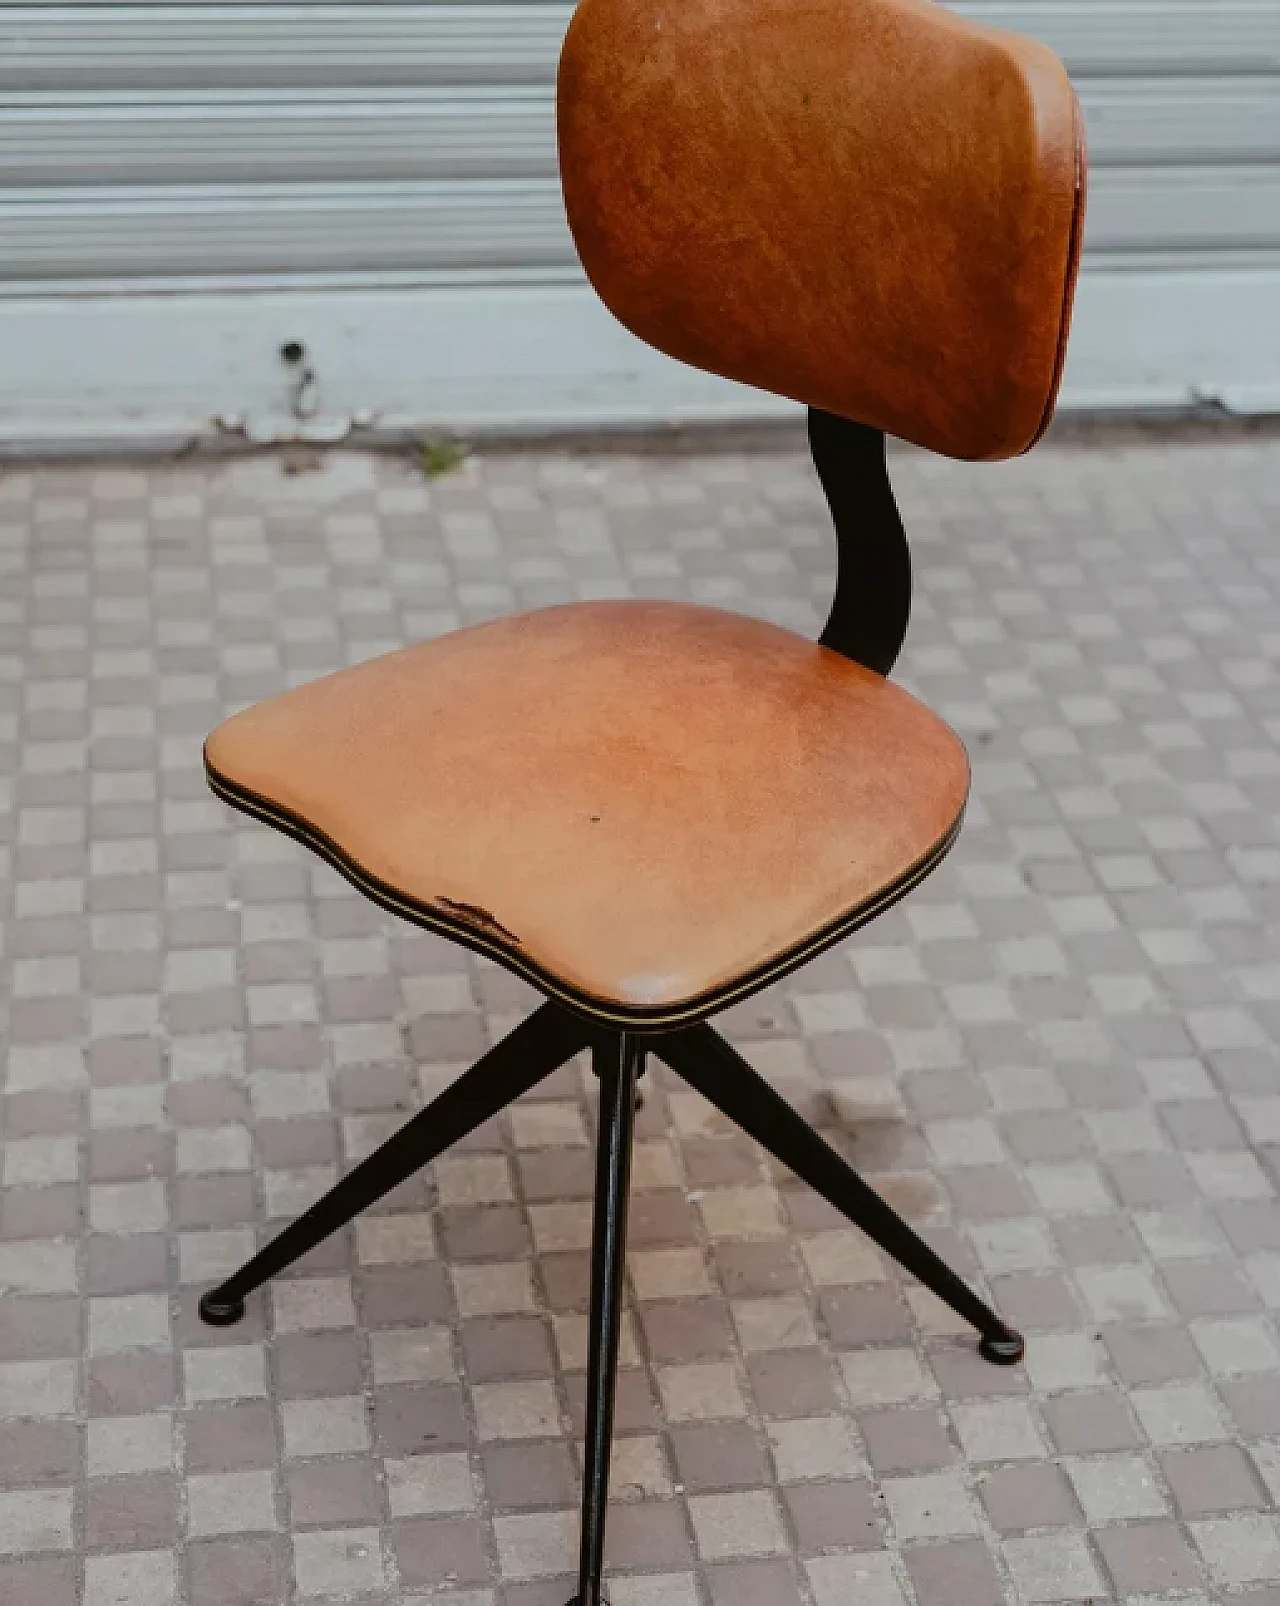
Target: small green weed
point(438, 458)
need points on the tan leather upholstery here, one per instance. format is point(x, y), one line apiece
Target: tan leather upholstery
point(871, 206)
point(643, 806)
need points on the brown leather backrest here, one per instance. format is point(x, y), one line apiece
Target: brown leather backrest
point(871, 206)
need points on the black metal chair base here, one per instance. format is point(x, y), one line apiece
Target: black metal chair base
point(698, 1054)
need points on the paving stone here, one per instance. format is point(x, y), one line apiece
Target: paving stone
point(1116, 1487)
point(958, 1573)
point(718, 1455)
point(1147, 1558)
point(338, 1561)
point(1024, 1497)
point(1215, 1478)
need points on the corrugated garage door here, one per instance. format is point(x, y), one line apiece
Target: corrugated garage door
point(185, 188)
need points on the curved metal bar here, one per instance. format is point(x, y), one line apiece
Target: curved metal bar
point(872, 604)
point(715, 1069)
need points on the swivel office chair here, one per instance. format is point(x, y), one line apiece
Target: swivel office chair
point(652, 810)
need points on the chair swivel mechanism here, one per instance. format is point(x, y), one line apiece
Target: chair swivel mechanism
point(649, 810)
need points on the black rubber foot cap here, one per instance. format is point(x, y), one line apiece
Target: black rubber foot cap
point(1002, 1349)
point(215, 1312)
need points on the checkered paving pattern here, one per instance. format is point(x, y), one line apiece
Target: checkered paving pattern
point(1058, 1058)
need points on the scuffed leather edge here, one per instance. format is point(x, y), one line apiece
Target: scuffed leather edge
point(610, 1011)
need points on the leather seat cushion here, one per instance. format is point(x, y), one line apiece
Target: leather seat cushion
point(646, 807)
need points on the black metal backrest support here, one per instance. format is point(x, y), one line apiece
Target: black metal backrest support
point(872, 604)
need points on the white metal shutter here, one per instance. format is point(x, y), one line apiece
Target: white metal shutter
point(1180, 286)
point(185, 186)
point(194, 142)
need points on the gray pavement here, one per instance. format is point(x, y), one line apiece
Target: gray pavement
point(1059, 1058)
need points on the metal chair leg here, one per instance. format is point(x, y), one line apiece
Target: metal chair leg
point(716, 1070)
point(536, 1048)
point(618, 1062)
